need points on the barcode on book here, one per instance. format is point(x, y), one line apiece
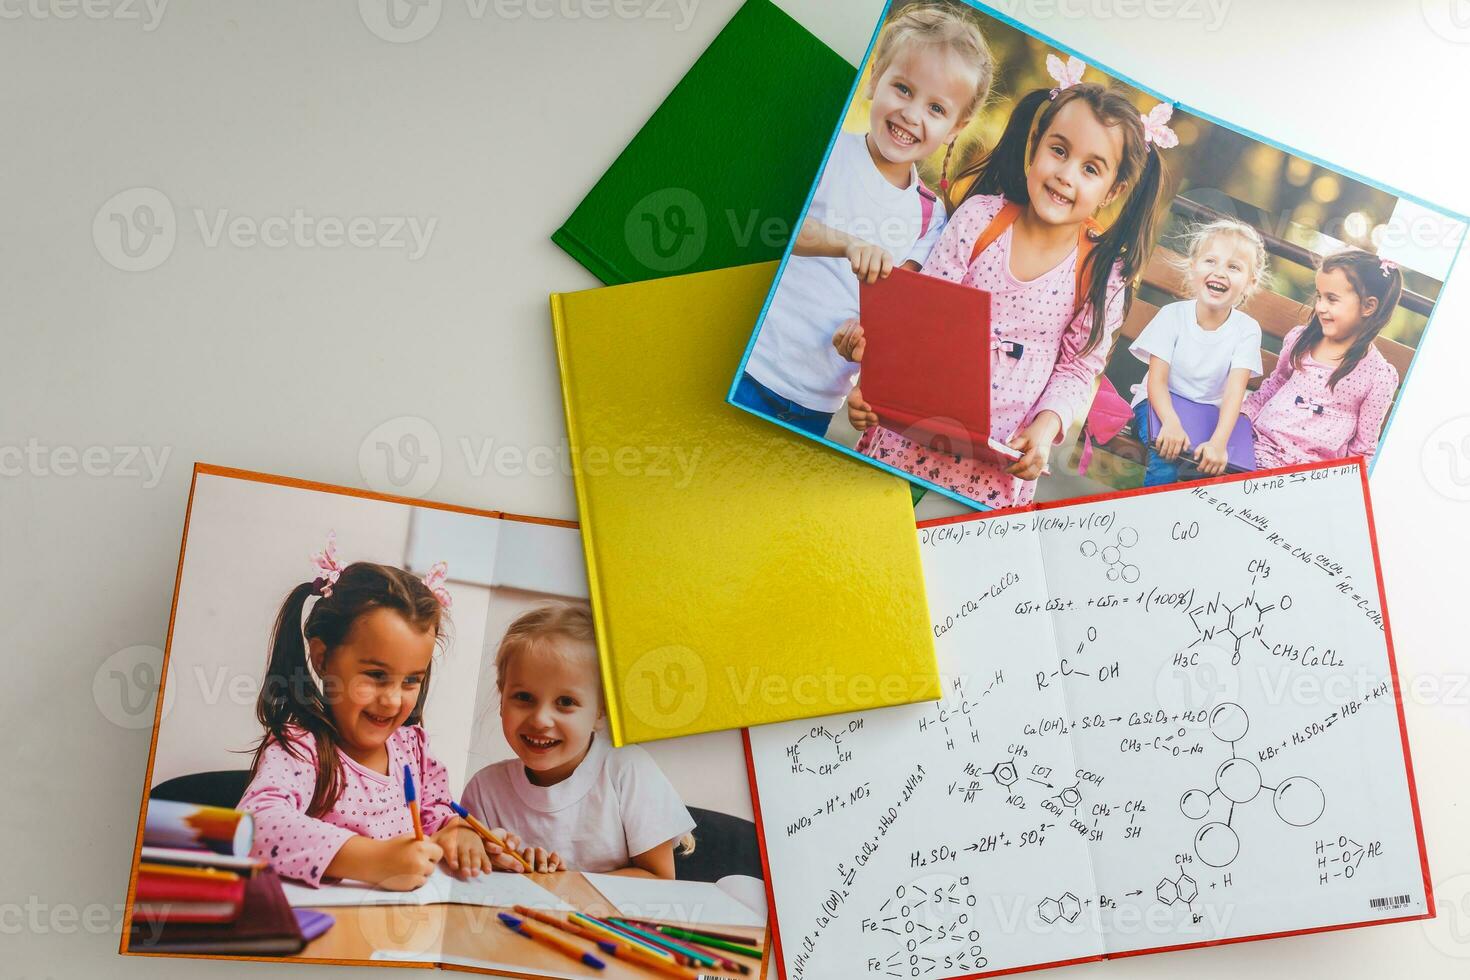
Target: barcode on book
point(1391, 902)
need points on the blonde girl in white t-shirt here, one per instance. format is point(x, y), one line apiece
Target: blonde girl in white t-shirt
point(1205, 348)
point(593, 807)
point(931, 72)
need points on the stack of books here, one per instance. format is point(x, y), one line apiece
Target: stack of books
point(199, 891)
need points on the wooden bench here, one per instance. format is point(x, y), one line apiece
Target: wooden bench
point(1278, 315)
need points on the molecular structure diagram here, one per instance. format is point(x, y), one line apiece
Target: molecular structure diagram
point(1180, 888)
point(1004, 773)
point(1245, 620)
point(1298, 801)
point(931, 917)
point(819, 751)
point(1071, 797)
point(1067, 908)
point(1112, 555)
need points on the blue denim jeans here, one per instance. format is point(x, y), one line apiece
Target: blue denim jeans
point(1157, 470)
point(752, 394)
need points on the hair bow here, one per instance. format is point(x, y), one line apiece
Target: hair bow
point(1388, 266)
point(1067, 73)
point(434, 579)
point(329, 569)
point(1156, 131)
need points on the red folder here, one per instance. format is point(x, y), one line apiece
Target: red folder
point(926, 367)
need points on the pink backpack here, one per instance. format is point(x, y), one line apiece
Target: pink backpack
point(927, 199)
point(1105, 419)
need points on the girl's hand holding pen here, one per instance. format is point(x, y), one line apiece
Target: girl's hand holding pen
point(406, 862)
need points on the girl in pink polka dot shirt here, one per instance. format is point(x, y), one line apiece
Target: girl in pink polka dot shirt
point(1331, 389)
point(326, 787)
point(1048, 339)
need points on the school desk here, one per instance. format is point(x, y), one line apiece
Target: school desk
point(475, 932)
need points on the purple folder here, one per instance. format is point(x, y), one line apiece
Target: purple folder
point(1199, 421)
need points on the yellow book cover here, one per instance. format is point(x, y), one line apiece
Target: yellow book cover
point(740, 574)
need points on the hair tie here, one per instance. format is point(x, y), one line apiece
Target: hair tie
point(434, 581)
point(1067, 73)
point(330, 569)
point(1388, 266)
point(328, 566)
point(1156, 131)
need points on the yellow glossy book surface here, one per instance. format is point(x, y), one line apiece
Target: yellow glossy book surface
point(739, 574)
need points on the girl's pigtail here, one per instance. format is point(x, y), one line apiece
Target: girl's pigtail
point(290, 699)
point(1126, 240)
point(1003, 169)
point(1392, 286)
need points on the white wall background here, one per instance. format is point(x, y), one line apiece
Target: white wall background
point(291, 360)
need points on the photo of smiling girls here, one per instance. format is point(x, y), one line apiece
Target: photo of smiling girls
point(1170, 297)
point(325, 639)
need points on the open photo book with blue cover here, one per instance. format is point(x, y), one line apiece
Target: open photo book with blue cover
point(1091, 209)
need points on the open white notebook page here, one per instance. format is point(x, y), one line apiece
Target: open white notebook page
point(495, 889)
point(1105, 773)
point(725, 902)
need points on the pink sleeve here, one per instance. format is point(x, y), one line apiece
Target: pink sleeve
point(433, 783)
point(1371, 413)
point(295, 845)
point(1257, 399)
point(1069, 390)
point(949, 259)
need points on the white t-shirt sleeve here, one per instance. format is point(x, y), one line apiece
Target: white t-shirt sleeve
point(1160, 337)
point(479, 797)
point(1248, 346)
point(920, 252)
point(651, 809)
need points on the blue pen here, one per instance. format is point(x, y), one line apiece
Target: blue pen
point(411, 797)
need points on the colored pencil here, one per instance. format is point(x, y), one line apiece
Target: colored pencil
point(744, 949)
point(411, 797)
point(605, 929)
point(694, 956)
point(688, 948)
point(548, 937)
point(615, 947)
point(487, 834)
point(705, 933)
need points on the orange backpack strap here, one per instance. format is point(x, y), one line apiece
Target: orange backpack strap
point(1007, 217)
point(1003, 219)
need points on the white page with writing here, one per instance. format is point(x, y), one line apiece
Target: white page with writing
point(1181, 792)
point(911, 838)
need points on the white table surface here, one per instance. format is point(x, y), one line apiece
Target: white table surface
point(292, 359)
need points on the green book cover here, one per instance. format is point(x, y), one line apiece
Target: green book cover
point(718, 174)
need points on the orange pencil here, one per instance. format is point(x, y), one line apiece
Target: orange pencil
point(552, 938)
point(487, 834)
point(622, 949)
point(603, 929)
